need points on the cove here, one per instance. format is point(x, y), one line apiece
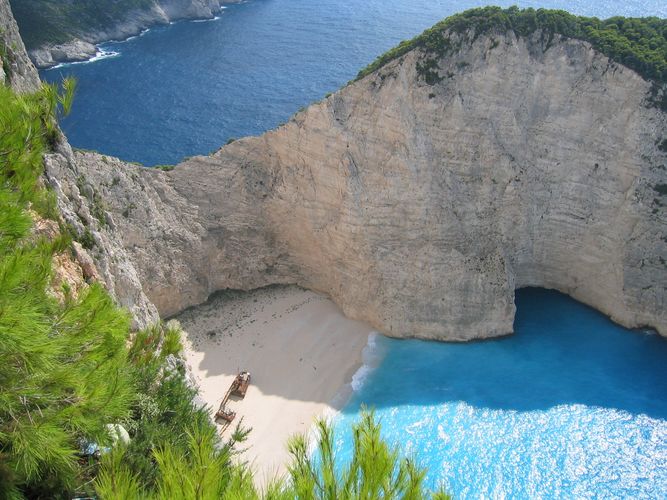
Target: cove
point(570, 406)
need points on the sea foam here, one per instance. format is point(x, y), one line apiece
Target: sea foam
point(99, 55)
point(206, 20)
point(371, 357)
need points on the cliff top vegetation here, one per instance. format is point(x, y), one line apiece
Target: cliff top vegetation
point(638, 43)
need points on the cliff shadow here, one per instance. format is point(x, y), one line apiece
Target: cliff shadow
point(298, 346)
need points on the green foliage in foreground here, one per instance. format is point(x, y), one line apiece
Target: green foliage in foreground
point(638, 43)
point(162, 414)
point(374, 471)
point(62, 373)
point(27, 129)
point(67, 373)
point(203, 471)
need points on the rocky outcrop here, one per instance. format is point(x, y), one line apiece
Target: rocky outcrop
point(73, 51)
point(105, 259)
point(82, 46)
point(419, 197)
point(15, 67)
point(420, 207)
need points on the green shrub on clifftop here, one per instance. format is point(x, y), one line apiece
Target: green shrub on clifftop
point(638, 43)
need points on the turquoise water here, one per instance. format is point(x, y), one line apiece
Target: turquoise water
point(186, 89)
point(571, 406)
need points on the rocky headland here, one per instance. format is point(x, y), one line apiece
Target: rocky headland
point(419, 197)
point(57, 32)
point(422, 195)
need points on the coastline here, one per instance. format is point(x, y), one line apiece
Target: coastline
point(87, 47)
point(303, 354)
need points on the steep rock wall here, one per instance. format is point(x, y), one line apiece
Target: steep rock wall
point(79, 205)
point(420, 208)
point(82, 209)
point(15, 67)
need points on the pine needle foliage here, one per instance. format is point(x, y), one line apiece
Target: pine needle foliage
point(172, 339)
point(162, 416)
point(28, 127)
point(200, 471)
point(63, 376)
point(374, 471)
point(204, 470)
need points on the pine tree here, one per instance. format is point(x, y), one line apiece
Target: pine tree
point(63, 374)
point(205, 471)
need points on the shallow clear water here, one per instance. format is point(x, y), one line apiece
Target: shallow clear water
point(186, 89)
point(570, 406)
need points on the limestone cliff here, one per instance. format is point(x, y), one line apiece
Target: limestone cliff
point(420, 203)
point(15, 67)
point(104, 257)
point(418, 197)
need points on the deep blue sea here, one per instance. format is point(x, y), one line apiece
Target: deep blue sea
point(186, 89)
point(571, 406)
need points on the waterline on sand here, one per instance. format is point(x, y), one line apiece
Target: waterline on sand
point(300, 350)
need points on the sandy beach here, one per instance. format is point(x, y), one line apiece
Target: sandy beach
point(300, 350)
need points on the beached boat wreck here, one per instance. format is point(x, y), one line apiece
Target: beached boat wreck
point(240, 384)
point(224, 414)
point(238, 388)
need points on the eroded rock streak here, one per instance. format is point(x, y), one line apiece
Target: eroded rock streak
point(419, 206)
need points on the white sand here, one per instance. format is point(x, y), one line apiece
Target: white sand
point(300, 350)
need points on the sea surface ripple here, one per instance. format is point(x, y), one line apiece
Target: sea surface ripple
point(570, 406)
point(186, 89)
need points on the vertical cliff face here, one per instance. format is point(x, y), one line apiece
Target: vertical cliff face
point(419, 202)
point(81, 209)
point(103, 250)
point(15, 67)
